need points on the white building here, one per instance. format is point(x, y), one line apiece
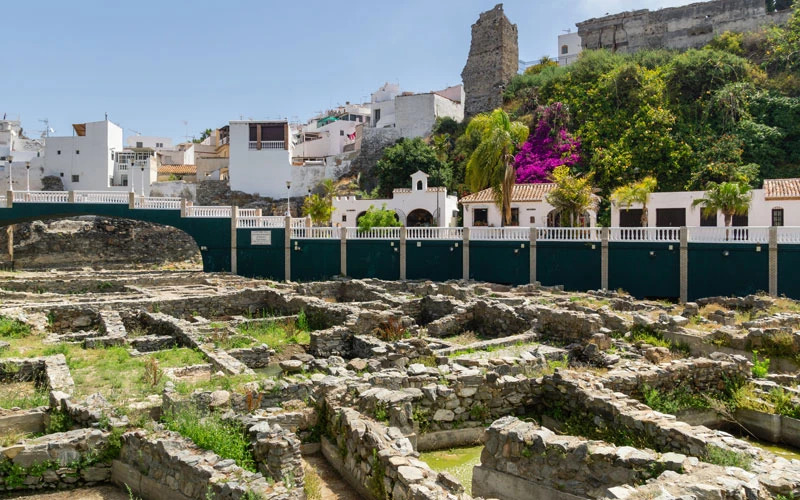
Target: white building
point(415, 114)
point(418, 206)
point(84, 161)
point(777, 204)
point(382, 105)
point(22, 153)
point(529, 208)
point(135, 169)
point(569, 48)
point(330, 134)
point(151, 142)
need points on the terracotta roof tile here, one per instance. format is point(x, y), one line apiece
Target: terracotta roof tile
point(178, 169)
point(781, 189)
point(521, 192)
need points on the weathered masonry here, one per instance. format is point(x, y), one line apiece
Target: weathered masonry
point(675, 263)
point(684, 27)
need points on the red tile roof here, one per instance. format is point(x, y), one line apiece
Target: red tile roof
point(521, 192)
point(178, 169)
point(781, 189)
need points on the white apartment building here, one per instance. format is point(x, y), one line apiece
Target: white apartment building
point(415, 114)
point(569, 48)
point(85, 160)
point(22, 154)
point(417, 206)
point(331, 133)
point(135, 169)
point(151, 142)
point(260, 157)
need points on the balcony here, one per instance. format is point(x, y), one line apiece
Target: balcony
point(267, 145)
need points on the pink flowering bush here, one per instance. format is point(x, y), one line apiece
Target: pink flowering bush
point(548, 147)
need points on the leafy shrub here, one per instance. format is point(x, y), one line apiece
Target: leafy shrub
point(728, 458)
point(13, 329)
point(225, 438)
point(760, 368)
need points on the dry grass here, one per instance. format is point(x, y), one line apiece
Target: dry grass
point(23, 395)
point(466, 338)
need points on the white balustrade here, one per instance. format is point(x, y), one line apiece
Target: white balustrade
point(267, 145)
point(376, 233)
point(315, 233)
point(568, 234)
point(148, 203)
point(263, 222)
point(434, 233)
point(728, 234)
point(298, 222)
point(247, 212)
point(789, 235)
point(500, 233)
point(207, 211)
point(41, 197)
point(104, 197)
point(634, 234)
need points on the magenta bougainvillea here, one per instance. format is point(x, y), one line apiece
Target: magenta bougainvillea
point(548, 147)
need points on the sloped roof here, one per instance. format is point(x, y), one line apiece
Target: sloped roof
point(781, 189)
point(177, 169)
point(521, 192)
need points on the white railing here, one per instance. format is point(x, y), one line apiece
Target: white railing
point(670, 234)
point(376, 233)
point(789, 235)
point(208, 211)
point(267, 145)
point(298, 222)
point(434, 233)
point(148, 203)
point(260, 222)
point(500, 233)
point(728, 235)
point(316, 233)
point(247, 212)
point(568, 234)
point(108, 197)
point(3, 202)
point(41, 196)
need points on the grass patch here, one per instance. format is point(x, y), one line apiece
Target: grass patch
point(13, 329)
point(680, 398)
point(312, 485)
point(647, 335)
point(23, 395)
point(760, 368)
point(727, 458)
point(779, 344)
point(233, 383)
point(225, 438)
point(278, 334)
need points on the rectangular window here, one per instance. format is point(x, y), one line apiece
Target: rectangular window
point(344, 218)
point(341, 132)
point(76, 178)
point(514, 217)
point(708, 221)
point(480, 217)
point(77, 151)
point(138, 144)
point(777, 217)
point(533, 219)
point(58, 152)
point(377, 115)
point(670, 217)
point(740, 221)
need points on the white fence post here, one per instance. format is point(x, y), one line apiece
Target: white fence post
point(343, 251)
point(465, 255)
point(287, 248)
point(773, 261)
point(683, 257)
point(9, 199)
point(534, 236)
point(403, 254)
point(604, 258)
point(234, 243)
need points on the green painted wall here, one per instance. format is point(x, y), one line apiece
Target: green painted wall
point(575, 265)
point(741, 272)
point(260, 261)
point(505, 262)
point(645, 269)
point(789, 271)
point(434, 260)
point(373, 259)
point(314, 260)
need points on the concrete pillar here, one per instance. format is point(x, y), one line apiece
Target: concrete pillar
point(234, 244)
point(684, 265)
point(533, 237)
point(71, 197)
point(465, 255)
point(258, 212)
point(343, 252)
point(131, 200)
point(9, 199)
point(402, 253)
point(183, 207)
point(604, 258)
point(308, 221)
point(773, 261)
point(287, 248)
point(10, 233)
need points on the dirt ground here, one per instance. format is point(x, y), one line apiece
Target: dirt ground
point(333, 486)
point(98, 493)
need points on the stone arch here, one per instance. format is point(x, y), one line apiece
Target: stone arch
point(419, 218)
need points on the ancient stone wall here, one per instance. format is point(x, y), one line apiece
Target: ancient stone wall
point(684, 27)
point(493, 60)
point(372, 145)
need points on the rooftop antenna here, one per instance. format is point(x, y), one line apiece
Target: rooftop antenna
point(186, 127)
point(135, 131)
point(47, 130)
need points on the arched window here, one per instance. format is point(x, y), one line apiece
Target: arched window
point(564, 49)
point(419, 185)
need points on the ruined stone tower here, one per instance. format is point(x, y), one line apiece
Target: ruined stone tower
point(493, 60)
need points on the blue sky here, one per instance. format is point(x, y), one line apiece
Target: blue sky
point(154, 64)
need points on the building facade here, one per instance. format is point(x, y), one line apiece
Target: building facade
point(569, 48)
point(85, 160)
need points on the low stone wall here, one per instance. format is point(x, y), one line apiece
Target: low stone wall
point(568, 326)
point(49, 372)
point(277, 453)
point(57, 461)
point(166, 466)
point(253, 357)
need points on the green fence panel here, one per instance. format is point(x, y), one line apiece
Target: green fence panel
point(373, 259)
point(434, 260)
point(573, 264)
point(504, 262)
point(256, 259)
point(645, 270)
point(315, 259)
point(789, 271)
point(720, 269)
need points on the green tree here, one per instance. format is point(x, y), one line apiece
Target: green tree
point(377, 217)
point(320, 206)
point(406, 157)
point(572, 195)
point(635, 192)
point(491, 164)
point(730, 198)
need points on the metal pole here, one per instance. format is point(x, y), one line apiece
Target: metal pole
point(288, 193)
point(28, 180)
point(142, 181)
point(10, 177)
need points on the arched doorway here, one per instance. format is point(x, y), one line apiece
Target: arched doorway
point(419, 218)
point(359, 216)
point(554, 220)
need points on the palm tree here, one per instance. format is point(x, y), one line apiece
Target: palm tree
point(572, 196)
point(635, 192)
point(491, 165)
point(730, 198)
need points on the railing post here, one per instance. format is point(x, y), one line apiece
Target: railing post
point(183, 207)
point(131, 200)
point(403, 254)
point(604, 258)
point(9, 199)
point(773, 261)
point(465, 254)
point(343, 252)
point(308, 221)
point(258, 212)
point(234, 242)
point(287, 248)
point(533, 237)
point(71, 197)
point(684, 265)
